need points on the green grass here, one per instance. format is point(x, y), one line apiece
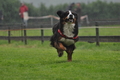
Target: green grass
point(82, 32)
point(102, 32)
point(37, 61)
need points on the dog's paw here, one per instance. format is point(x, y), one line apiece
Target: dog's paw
point(60, 53)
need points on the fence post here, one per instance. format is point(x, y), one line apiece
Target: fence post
point(97, 34)
point(9, 40)
point(51, 21)
point(42, 34)
point(22, 33)
point(25, 38)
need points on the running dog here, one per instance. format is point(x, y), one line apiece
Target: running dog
point(65, 33)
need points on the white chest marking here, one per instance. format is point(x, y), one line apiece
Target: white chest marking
point(68, 30)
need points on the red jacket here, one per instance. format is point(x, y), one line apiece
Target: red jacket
point(23, 9)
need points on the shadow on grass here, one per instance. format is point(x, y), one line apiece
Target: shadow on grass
point(64, 61)
point(60, 62)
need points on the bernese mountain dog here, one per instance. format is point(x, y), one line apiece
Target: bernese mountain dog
point(65, 33)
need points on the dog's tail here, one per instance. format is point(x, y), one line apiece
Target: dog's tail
point(52, 41)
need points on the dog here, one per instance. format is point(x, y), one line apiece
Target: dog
point(65, 33)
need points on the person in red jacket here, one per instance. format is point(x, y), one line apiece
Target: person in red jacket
point(23, 8)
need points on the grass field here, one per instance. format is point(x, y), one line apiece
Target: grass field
point(37, 61)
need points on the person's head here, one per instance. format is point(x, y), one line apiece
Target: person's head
point(72, 4)
point(78, 4)
point(22, 4)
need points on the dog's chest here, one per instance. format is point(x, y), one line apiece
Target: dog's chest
point(68, 30)
point(67, 42)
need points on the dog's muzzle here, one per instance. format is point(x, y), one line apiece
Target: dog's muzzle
point(70, 18)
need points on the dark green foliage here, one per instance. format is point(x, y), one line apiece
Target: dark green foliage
point(95, 10)
point(10, 9)
point(101, 10)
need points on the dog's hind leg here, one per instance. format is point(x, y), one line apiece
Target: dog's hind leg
point(69, 51)
point(69, 55)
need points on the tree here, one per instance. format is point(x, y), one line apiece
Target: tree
point(10, 10)
point(95, 10)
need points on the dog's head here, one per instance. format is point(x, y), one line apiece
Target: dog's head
point(67, 17)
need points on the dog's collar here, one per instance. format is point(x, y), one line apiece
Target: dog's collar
point(66, 36)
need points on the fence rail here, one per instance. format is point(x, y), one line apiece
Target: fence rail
point(42, 38)
point(81, 38)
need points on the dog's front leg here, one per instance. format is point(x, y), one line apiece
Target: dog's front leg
point(59, 46)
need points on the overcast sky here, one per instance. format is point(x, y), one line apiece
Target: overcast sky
point(55, 2)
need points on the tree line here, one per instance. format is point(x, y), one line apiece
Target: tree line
point(95, 10)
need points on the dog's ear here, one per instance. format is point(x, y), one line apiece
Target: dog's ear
point(60, 13)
